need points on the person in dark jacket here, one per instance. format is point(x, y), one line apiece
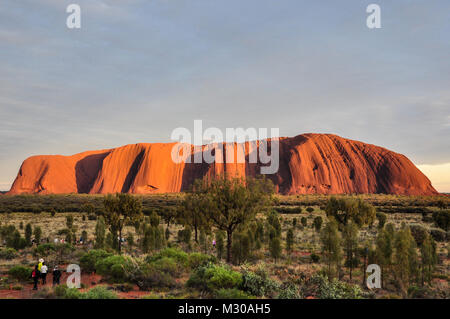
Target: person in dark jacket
point(35, 274)
point(56, 275)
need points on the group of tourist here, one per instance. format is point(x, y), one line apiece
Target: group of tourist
point(40, 272)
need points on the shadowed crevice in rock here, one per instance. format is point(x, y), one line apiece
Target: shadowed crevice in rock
point(86, 171)
point(132, 172)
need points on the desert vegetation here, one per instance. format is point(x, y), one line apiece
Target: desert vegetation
point(226, 239)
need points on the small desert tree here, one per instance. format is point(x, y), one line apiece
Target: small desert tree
point(193, 210)
point(233, 202)
point(304, 221)
point(275, 248)
point(317, 223)
point(69, 221)
point(345, 209)
point(153, 233)
point(429, 258)
point(71, 229)
point(120, 210)
point(169, 215)
point(273, 224)
point(441, 204)
point(405, 257)
point(153, 237)
point(100, 232)
point(382, 217)
point(350, 236)
point(88, 208)
point(289, 241)
point(331, 247)
point(37, 234)
point(413, 261)
point(28, 233)
point(259, 234)
point(384, 250)
point(130, 240)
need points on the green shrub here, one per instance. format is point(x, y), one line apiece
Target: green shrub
point(213, 277)
point(44, 293)
point(427, 218)
point(258, 283)
point(146, 276)
point(90, 259)
point(20, 273)
point(289, 291)
point(178, 255)
point(126, 287)
point(304, 221)
point(438, 234)
point(196, 260)
point(60, 291)
point(222, 277)
point(112, 268)
point(154, 278)
point(314, 258)
point(152, 296)
point(8, 253)
point(14, 240)
point(167, 265)
point(288, 210)
point(44, 249)
point(72, 293)
point(382, 217)
point(100, 292)
point(416, 292)
point(198, 279)
point(419, 233)
point(335, 289)
point(231, 293)
point(184, 235)
point(442, 219)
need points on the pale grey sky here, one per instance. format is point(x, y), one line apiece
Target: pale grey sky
point(138, 69)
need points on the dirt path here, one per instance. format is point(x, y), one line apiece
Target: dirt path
point(88, 281)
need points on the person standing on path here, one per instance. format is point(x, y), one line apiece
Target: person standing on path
point(41, 262)
point(44, 270)
point(56, 275)
point(35, 277)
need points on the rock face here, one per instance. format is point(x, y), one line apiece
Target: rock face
point(309, 164)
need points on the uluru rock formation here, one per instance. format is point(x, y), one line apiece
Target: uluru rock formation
point(309, 163)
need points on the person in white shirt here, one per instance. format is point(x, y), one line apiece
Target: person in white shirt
point(44, 270)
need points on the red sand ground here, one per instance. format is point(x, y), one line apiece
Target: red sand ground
point(88, 280)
